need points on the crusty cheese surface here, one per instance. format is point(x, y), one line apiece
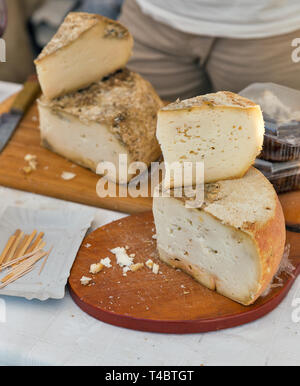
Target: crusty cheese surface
point(81, 52)
point(233, 244)
point(111, 117)
point(223, 130)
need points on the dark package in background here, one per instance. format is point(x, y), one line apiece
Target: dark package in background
point(284, 176)
point(281, 110)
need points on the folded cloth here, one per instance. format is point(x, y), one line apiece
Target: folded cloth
point(108, 8)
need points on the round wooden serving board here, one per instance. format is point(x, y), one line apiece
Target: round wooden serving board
point(170, 302)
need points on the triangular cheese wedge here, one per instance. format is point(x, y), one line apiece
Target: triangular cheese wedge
point(223, 130)
point(85, 49)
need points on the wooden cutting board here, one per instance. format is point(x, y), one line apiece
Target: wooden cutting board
point(46, 180)
point(170, 302)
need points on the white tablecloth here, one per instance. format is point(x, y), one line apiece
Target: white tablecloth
point(59, 333)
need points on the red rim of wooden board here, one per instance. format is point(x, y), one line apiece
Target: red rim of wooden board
point(181, 326)
point(184, 326)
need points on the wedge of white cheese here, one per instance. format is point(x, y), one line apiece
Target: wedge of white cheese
point(233, 244)
point(86, 48)
point(112, 117)
point(222, 130)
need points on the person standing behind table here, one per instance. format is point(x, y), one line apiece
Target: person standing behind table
point(189, 47)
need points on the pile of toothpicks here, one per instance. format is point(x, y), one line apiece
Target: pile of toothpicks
point(20, 255)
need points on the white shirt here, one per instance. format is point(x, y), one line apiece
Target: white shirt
point(243, 19)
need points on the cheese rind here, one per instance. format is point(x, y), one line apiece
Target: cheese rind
point(223, 130)
point(82, 51)
point(111, 117)
point(233, 244)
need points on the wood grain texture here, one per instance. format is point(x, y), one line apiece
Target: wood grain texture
point(170, 302)
point(46, 180)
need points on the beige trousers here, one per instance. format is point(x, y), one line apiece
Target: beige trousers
point(183, 65)
point(19, 56)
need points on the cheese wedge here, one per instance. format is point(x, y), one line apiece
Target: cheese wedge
point(86, 48)
point(223, 130)
point(233, 244)
point(111, 117)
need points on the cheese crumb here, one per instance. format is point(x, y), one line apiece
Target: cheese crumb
point(136, 267)
point(30, 157)
point(125, 270)
point(154, 237)
point(122, 258)
point(96, 268)
point(155, 268)
point(67, 176)
point(88, 245)
point(31, 163)
point(149, 264)
point(85, 280)
point(106, 262)
point(27, 169)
